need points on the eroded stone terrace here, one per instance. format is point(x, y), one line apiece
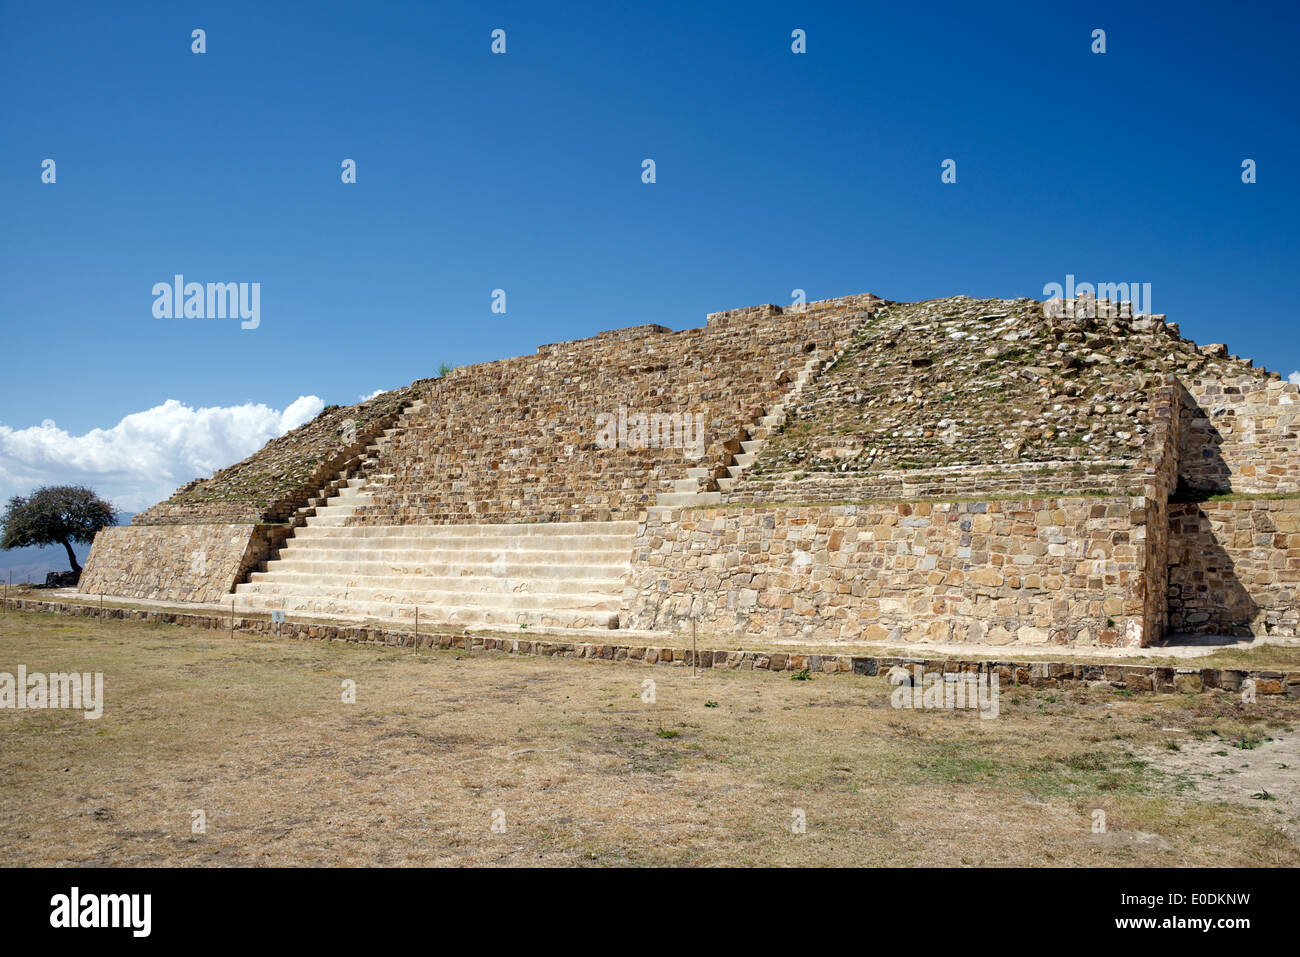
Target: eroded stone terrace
point(515, 440)
point(269, 484)
point(966, 382)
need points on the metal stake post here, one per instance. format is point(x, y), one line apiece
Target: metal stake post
point(695, 655)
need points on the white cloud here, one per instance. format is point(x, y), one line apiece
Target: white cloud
point(1294, 377)
point(367, 398)
point(301, 411)
point(149, 454)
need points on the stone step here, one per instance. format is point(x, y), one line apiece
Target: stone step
point(524, 531)
point(745, 459)
point(688, 499)
point(322, 520)
point(409, 545)
point(341, 507)
point(508, 601)
point(563, 565)
point(344, 505)
point(306, 582)
point(752, 446)
point(449, 615)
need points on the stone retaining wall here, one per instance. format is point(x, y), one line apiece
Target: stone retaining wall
point(1050, 478)
point(1036, 674)
point(1241, 434)
point(1160, 479)
point(1067, 571)
point(199, 563)
point(1234, 567)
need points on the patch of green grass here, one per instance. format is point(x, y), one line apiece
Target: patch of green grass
point(1087, 761)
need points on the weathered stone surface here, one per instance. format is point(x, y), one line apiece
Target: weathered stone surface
point(983, 472)
point(516, 439)
point(1005, 390)
point(1235, 567)
point(1034, 674)
point(958, 571)
point(199, 563)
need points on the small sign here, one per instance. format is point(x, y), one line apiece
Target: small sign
point(277, 617)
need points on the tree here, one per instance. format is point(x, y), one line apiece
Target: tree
point(56, 515)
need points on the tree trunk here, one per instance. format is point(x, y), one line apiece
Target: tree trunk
point(72, 556)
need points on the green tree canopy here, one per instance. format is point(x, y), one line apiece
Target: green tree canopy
point(55, 515)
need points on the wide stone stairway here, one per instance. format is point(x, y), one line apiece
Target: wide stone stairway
point(556, 574)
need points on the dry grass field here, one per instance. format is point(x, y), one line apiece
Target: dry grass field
point(582, 771)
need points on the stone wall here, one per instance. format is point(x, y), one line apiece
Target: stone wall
point(199, 563)
point(1241, 434)
point(1115, 477)
point(1067, 571)
point(1035, 672)
point(962, 383)
point(1160, 479)
point(517, 440)
point(1234, 567)
point(747, 316)
point(204, 513)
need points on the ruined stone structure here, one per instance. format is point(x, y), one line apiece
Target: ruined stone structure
point(986, 472)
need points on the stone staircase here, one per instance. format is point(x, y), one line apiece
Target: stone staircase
point(703, 486)
point(553, 575)
point(561, 575)
point(359, 472)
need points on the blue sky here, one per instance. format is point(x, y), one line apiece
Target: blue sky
point(476, 171)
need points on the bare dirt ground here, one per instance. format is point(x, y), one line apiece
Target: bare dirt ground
point(1246, 771)
point(572, 766)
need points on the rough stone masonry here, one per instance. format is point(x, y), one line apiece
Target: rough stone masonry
point(955, 470)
